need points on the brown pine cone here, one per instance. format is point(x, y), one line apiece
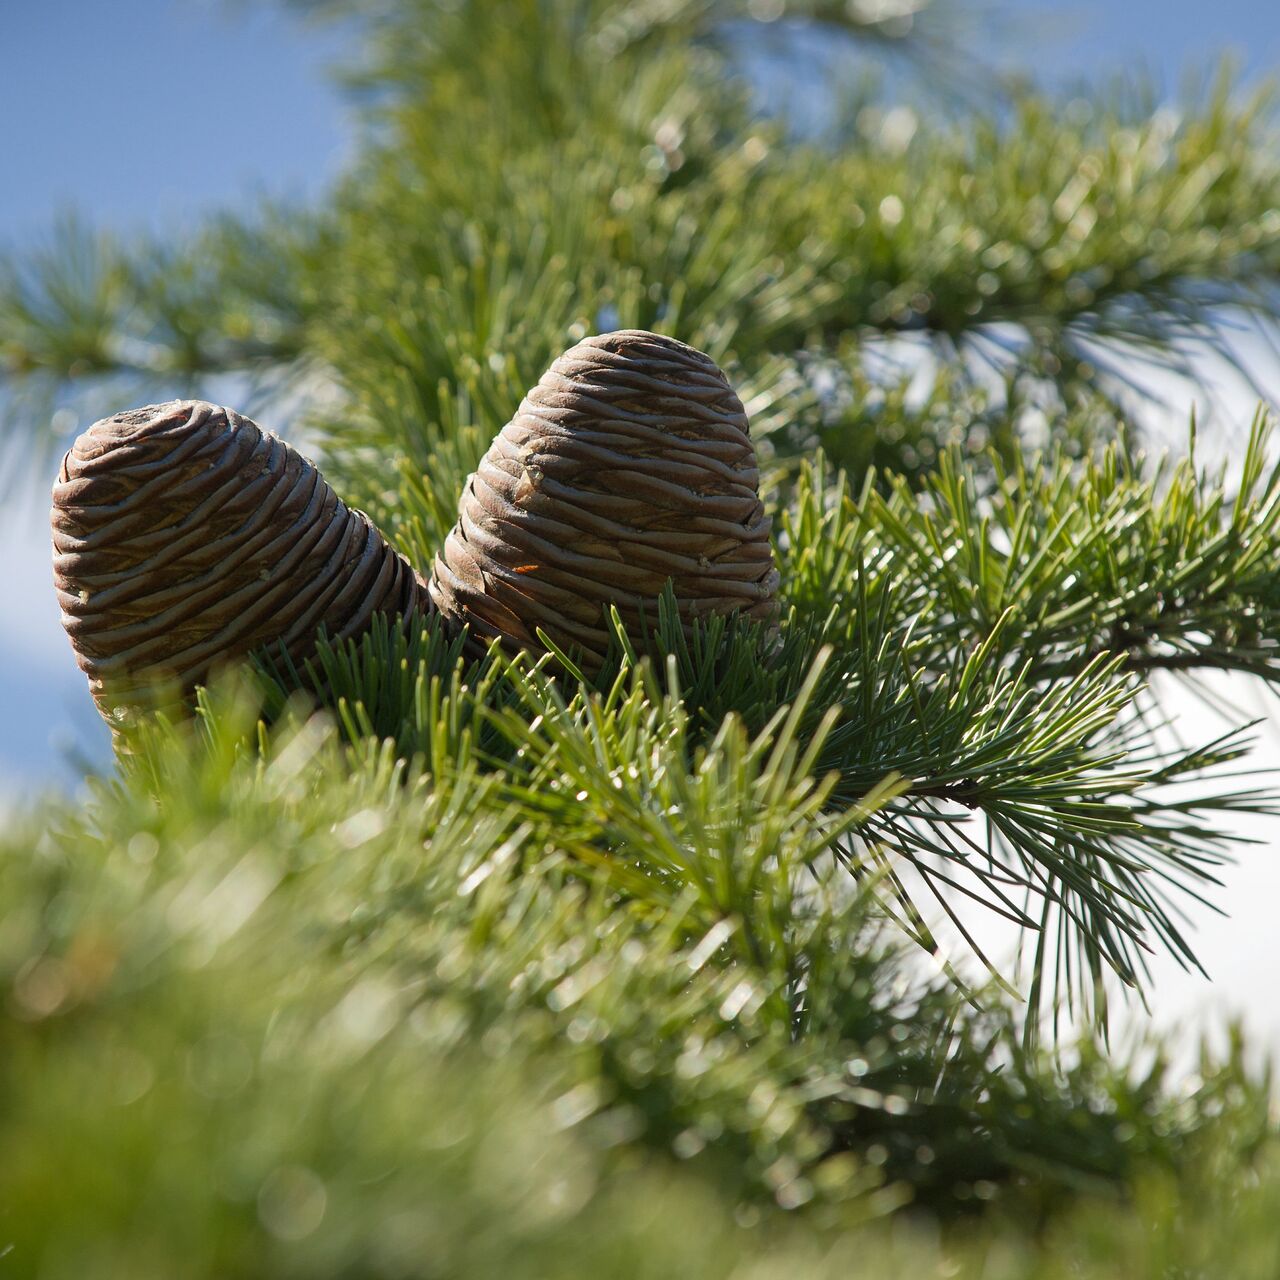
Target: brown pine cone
point(184, 537)
point(629, 464)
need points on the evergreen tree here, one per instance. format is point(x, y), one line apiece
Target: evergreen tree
point(407, 964)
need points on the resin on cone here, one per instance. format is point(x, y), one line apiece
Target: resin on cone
point(630, 463)
point(185, 537)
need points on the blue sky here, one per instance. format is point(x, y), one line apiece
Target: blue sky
point(146, 112)
point(1163, 37)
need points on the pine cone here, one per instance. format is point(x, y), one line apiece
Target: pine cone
point(627, 465)
point(184, 536)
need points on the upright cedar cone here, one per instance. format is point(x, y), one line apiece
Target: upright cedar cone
point(184, 537)
point(629, 464)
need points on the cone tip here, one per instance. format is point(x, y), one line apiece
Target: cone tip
point(133, 424)
point(643, 341)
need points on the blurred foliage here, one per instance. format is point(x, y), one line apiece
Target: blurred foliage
point(305, 1010)
point(406, 965)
